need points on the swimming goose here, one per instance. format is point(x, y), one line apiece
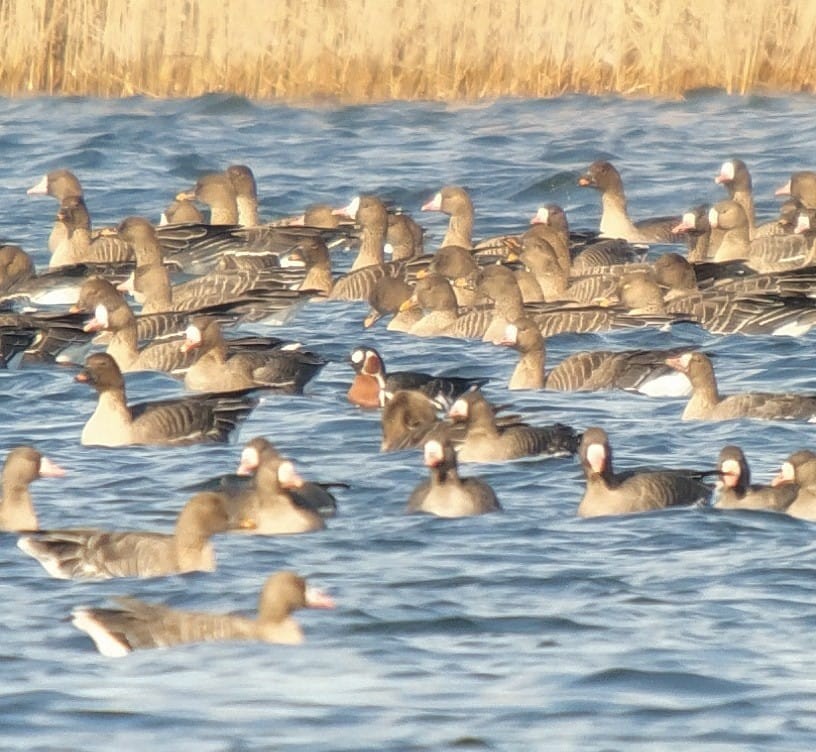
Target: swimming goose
point(434, 296)
point(22, 466)
point(406, 420)
point(735, 491)
point(79, 245)
point(487, 441)
point(454, 201)
point(246, 194)
point(216, 191)
point(642, 371)
point(615, 221)
point(135, 625)
point(98, 554)
point(707, 403)
point(284, 368)
point(610, 493)
point(16, 267)
point(445, 494)
point(798, 472)
point(386, 299)
point(802, 187)
point(404, 238)
point(314, 253)
point(186, 420)
point(180, 213)
point(60, 184)
point(277, 501)
point(373, 386)
point(736, 179)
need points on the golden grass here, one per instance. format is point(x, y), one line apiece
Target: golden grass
point(370, 50)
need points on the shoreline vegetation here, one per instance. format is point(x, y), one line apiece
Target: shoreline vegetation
point(377, 50)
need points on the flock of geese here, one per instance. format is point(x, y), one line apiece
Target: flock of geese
point(192, 277)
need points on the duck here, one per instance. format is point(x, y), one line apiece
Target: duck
point(610, 493)
point(798, 472)
point(444, 493)
point(99, 554)
point(707, 403)
point(373, 386)
point(277, 501)
point(283, 368)
point(136, 625)
point(642, 371)
point(735, 490)
point(615, 221)
point(23, 465)
point(486, 440)
point(180, 421)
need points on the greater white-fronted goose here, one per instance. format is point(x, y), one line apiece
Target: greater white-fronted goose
point(802, 187)
point(610, 493)
point(314, 253)
point(277, 501)
point(707, 403)
point(643, 371)
point(181, 213)
point(135, 625)
point(371, 216)
point(40, 337)
point(246, 194)
point(434, 296)
point(406, 420)
point(79, 245)
point(766, 253)
point(186, 420)
point(373, 386)
point(798, 472)
point(454, 201)
point(60, 184)
point(735, 490)
point(487, 441)
point(22, 466)
point(615, 220)
point(287, 369)
point(112, 314)
point(404, 239)
point(459, 266)
point(386, 299)
point(216, 191)
point(695, 226)
point(99, 554)
point(445, 494)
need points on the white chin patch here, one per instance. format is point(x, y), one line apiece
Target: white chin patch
point(193, 334)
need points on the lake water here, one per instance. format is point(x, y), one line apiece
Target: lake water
point(527, 630)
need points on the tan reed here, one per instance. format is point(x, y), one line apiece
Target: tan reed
point(373, 50)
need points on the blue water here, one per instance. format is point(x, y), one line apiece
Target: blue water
point(529, 630)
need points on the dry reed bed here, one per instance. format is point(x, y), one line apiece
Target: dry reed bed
point(368, 50)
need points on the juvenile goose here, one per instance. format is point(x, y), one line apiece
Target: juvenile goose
point(187, 420)
point(615, 221)
point(96, 554)
point(134, 624)
point(286, 368)
point(802, 187)
point(434, 295)
point(445, 494)
point(407, 419)
point(487, 441)
point(79, 245)
point(246, 194)
point(609, 493)
point(22, 466)
point(372, 386)
point(706, 403)
point(278, 501)
point(735, 491)
point(798, 472)
point(385, 299)
point(216, 191)
point(643, 371)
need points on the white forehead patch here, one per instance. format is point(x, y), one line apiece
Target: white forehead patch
point(727, 170)
point(193, 334)
point(689, 219)
point(101, 315)
point(713, 215)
